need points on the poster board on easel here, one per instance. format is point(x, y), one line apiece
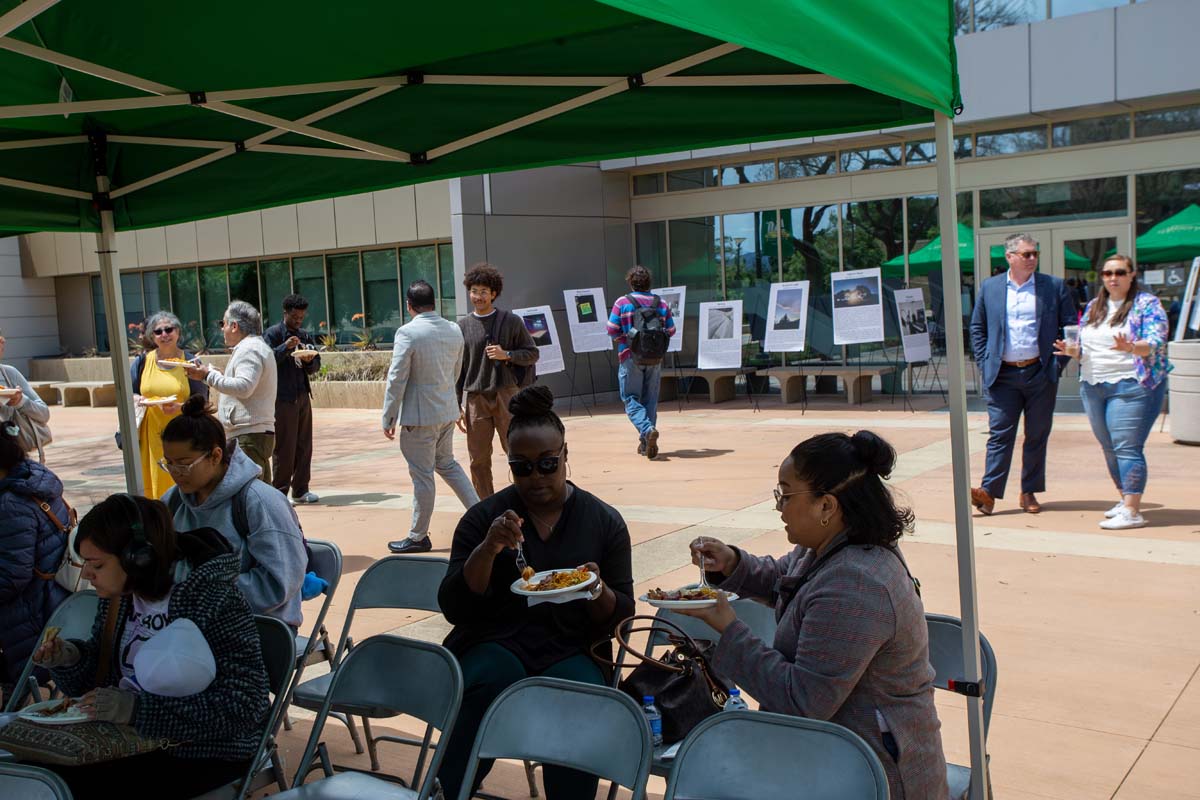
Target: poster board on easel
point(1188, 326)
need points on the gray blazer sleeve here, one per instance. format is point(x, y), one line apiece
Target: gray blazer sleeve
point(31, 406)
point(398, 377)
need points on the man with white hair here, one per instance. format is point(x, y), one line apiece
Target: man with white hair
point(248, 386)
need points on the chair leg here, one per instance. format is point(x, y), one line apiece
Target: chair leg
point(278, 773)
point(612, 791)
point(531, 778)
point(287, 721)
point(372, 745)
point(348, 721)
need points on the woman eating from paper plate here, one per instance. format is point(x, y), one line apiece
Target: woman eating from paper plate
point(501, 637)
point(852, 645)
point(174, 653)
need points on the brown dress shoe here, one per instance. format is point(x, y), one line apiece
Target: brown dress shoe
point(1030, 504)
point(982, 501)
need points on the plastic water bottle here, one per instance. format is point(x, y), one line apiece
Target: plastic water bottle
point(735, 701)
point(654, 718)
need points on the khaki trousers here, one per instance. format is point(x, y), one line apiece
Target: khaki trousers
point(258, 447)
point(486, 415)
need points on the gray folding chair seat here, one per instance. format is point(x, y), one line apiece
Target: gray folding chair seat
point(748, 755)
point(75, 616)
point(946, 656)
point(366, 678)
point(596, 729)
point(399, 582)
point(26, 782)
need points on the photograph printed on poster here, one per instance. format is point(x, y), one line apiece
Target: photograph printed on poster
point(585, 305)
point(538, 329)
point(855, 293)
point(912, 318)
point(676, 298)
point(720, 323)
point(790, 308)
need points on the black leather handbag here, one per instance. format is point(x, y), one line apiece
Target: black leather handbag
point(686, 691)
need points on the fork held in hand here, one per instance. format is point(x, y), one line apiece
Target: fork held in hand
point(703, 577)
point(522, 564)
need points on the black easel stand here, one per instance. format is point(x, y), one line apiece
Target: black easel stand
point(587, 361)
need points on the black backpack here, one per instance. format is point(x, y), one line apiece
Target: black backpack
point(647, 336)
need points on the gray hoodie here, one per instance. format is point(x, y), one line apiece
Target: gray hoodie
point(273, 560)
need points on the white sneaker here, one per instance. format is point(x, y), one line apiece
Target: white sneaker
point(1112, 512)
point(307, 497)
point(1123, 520)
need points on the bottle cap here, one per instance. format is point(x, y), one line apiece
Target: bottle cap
point(649, 698)
point(735, 692)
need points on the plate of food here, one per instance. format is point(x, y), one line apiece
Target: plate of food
point(64, 711)
point(553, 582)
point(158, 401)
point(6, 392)
point(305, 351)
point(175, 363)
point(691, 596)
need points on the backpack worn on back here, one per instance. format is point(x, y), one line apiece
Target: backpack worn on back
point(647, 335)
point(241, 522)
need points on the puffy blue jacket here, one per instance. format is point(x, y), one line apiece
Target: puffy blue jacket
point(28, 541)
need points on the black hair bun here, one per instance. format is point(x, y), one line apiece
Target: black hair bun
point(195, 406)
point(532, 401)
point(877, 456)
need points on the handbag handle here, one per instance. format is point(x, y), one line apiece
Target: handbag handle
point(654, 621)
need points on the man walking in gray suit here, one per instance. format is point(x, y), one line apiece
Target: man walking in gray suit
point(421, 398)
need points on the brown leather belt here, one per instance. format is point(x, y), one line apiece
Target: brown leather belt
point(1020, 364)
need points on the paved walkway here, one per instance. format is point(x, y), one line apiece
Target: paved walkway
point(1097, 633)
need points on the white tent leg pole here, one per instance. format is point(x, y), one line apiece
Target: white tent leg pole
point(959, 446)
point(118, 344)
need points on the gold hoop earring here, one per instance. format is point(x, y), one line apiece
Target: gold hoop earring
point(824, 523)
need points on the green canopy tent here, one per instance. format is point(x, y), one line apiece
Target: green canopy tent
point(130, 114)
point(1176, 238)
point(926, 259)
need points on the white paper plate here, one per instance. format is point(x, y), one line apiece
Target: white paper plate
point(8, 392)
point(171, 363)
point(71, 716)
point(305, 352)
point(518, 586)
point(159, 401)
point(685, 603)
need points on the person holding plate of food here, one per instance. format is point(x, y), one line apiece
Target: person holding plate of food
point(160, 385)
point(851, 645)
point(503, 632)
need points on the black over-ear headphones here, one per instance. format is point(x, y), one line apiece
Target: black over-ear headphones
point(138, 558)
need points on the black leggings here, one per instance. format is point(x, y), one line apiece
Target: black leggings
point(150, 776)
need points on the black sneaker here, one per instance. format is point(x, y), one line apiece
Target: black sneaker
point(652, 444)
point(641, 447)
point(411, 546)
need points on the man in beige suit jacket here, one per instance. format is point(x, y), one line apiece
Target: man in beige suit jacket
point(421, 399)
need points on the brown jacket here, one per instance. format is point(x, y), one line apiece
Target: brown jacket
point(852, 641)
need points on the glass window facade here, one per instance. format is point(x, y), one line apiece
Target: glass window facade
point(750, 245)
point(1090, 131)
point(1166, 121)
point(992, 14)
point(449, 284)
point(648, 184)
point(754, 172)
point(872, 158)
point(383, 294)
point(214, 298)
point(156, 286)
point(418, 264)
point(809, 249)
point(1017, 140)
point(1160, 197)
point(243, 285)
point(697, 178)
point(275, 283)
point(345, 297)
point(308, 279)
point(185, 302)
point(1053, 202)
point(808, 166)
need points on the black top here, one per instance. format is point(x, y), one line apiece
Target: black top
point(540, 636)
point(293, 379)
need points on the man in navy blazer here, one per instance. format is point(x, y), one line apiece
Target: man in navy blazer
point(1017, 317)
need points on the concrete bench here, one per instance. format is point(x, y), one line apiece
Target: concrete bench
point(720, 382)
point(46, 391)
point(87, 393)
point(793, 383)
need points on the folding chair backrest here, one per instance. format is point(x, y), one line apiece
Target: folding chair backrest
point(396, 582)
point(25, 782)
point(946, 656)
point(75, 616)
point(747, 755)
point(431, 689)
point(327, 564)
point(593, 728)
point(278, 652)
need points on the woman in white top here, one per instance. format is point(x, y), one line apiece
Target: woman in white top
point(1123, 377)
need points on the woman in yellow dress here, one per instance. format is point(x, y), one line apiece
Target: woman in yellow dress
point(153, 381)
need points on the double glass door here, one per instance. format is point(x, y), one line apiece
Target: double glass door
point(1073, 252)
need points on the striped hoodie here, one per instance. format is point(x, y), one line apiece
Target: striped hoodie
point(621, 319)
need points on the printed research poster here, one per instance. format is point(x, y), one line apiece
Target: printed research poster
point(788, 320)
point(914, 328)
point(676, 300)
point(857, 307)
point(587, 317)
point(540, 324)
point(720, 335)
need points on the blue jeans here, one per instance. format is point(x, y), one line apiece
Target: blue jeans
point(639, 392)
point(1122, 415)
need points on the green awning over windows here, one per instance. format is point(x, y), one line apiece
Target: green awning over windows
point(1176, 238)
point(214, 108)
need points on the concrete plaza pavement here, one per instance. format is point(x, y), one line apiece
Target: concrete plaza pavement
point(1096, 633)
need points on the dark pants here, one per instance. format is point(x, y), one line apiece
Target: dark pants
point(292, 462)
point(1016, 391)
point(488, 669)
point(150, 776)
point(258, 447)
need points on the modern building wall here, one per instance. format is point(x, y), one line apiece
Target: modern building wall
point(28, 317)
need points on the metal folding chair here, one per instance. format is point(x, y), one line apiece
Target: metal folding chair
point(400, 582)
point(596, 729)
point(26, 782)
point(366, 679)
point(946, 656)
point(75, 616)
point(745, 755)
point(327, 564)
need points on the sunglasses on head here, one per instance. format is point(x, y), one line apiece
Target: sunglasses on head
point(546, 465)
point(164, 331)
point(1114, 273)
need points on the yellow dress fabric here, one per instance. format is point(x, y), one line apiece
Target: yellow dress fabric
point(158, 382)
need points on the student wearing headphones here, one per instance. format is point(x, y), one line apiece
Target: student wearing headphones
point(174, 652)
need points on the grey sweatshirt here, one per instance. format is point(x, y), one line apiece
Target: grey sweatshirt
point(248, 386)
point(273, 560)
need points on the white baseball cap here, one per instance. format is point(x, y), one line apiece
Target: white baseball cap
point(176, 661)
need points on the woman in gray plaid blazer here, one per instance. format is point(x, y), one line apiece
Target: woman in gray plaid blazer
point(851, 645)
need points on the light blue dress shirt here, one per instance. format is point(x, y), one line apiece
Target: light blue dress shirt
point(1021, 342)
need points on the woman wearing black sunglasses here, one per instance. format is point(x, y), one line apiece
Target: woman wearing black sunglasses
point(498, 637)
